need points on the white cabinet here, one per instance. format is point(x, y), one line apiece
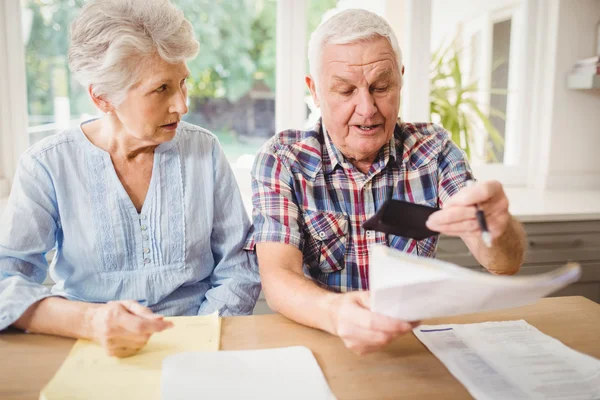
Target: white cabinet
point(550, 245)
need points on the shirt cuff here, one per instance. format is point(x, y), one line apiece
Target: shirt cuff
point(272, 237)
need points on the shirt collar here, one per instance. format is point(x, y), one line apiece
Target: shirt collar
point(333, 157)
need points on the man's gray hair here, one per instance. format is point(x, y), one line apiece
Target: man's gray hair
point(346, 27)
point(112, 39)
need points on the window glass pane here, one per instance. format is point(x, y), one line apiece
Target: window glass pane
point(474, 79)
point(232, 84)
point(55, 101)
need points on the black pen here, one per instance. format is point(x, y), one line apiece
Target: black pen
point(485, 233)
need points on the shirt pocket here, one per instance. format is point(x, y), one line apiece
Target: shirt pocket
point(325, 242)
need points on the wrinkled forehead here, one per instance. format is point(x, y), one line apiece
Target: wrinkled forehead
point(154, 71)
point(373, 56)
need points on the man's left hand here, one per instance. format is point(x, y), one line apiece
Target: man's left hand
point(458, 215)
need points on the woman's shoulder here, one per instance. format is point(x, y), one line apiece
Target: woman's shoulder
point(193, 132)
point(194, 138)
point(52, 144)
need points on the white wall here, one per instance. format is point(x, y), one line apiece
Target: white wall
point(574, 158)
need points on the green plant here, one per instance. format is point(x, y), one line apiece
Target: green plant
point(454, 104)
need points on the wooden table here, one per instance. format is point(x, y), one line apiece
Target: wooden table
point(405, 369)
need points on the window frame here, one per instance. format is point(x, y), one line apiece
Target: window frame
point(13, 93)
point(290, 105)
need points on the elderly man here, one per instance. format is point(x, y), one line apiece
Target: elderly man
point(314, 189)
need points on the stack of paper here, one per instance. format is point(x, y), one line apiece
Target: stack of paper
point(512, 360)
point(412, 288)
point(89, 374)
point(287, 373)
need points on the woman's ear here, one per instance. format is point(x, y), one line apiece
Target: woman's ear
point(100, 102)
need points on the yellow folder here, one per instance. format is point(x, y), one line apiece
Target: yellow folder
point(88, 373)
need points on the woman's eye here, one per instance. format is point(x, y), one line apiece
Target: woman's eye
point(162, 88)
point(381, 89)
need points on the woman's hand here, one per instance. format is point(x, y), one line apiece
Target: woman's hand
point(124, 327)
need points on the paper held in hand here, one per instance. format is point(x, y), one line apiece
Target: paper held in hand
point(413, 288)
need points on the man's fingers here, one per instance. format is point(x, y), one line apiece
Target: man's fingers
point(382, 323)
point(451, 215)
point(476, 194)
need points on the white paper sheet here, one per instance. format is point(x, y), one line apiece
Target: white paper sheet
point(512, 360)
point(284, 373)
point(413, 288)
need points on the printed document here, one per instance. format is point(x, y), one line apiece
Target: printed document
point(88, 373)
point(414, 288)
point(512, 360)
point(286, 373)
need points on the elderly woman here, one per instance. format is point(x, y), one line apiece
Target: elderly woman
point(142, 208)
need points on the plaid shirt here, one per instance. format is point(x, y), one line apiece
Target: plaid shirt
point(306, 194)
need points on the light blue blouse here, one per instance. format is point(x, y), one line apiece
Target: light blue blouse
point(181, 255)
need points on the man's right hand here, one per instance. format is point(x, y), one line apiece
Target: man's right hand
point(361, 330)
point(124, 327)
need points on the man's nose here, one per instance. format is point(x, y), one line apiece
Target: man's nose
point(365, 105)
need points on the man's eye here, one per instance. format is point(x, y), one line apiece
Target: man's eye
point(184, 81)
point(381, 89)
point(346, 92)
point(162, 88)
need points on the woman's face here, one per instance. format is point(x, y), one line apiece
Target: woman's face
point(154, 106)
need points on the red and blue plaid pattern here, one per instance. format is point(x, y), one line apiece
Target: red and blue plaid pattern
point(305, 193)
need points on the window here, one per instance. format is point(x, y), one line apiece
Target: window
point(247, 83)
point(484, 54)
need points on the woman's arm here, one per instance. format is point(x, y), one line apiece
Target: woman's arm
point(29, 226)
point(235, 280)
point(121, 327)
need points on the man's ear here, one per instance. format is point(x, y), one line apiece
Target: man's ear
point(99, 101)
point(313, 89)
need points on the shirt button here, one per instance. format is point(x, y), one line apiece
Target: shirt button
point(145, 237)
point(144, 227)
point(146, 261)
point(143, 217)
point(370, 234)
point(322, 235)
point(146, 250)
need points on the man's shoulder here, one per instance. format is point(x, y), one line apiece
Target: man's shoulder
point(423, 142)
point(296, 148)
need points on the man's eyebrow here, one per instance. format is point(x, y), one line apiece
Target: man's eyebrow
point(339, 79)
point(387, 73)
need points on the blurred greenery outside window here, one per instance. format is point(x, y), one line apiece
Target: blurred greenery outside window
point(232, 83)
point(232, 86)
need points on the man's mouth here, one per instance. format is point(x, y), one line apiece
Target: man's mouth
point(368, 128)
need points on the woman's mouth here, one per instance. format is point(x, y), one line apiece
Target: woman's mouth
point(170, 127)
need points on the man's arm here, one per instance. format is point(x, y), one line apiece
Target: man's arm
point(346, 315)
point(506, 255)
point(458, 218)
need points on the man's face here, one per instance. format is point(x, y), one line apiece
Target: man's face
point(358, 91)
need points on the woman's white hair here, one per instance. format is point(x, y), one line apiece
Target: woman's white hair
point(349, 26)
point(112, 39)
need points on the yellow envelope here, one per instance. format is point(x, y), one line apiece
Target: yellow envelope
point(88, 373)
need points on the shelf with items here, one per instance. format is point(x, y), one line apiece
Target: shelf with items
point(585, 74)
